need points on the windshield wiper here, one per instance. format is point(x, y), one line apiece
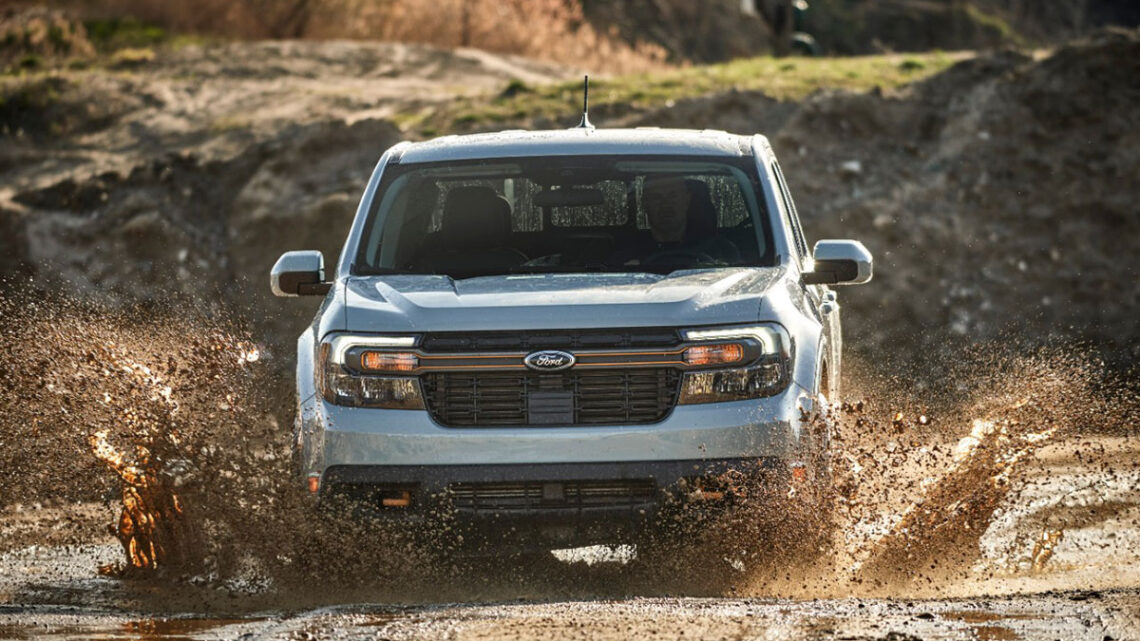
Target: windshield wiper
point(553, 269)
point(380, 271)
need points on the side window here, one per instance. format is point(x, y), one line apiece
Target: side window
point(792, 218)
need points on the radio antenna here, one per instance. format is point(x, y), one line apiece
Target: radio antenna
point(585, 124)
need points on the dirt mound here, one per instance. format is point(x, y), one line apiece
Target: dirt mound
point(189, 176)
point(712, 31)
point(998, 197)
point(184, 227)
point(700, 32)
point(849, 28)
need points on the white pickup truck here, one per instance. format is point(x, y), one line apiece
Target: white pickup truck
point(547, 334)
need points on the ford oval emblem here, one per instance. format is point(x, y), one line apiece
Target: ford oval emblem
point(549, 360)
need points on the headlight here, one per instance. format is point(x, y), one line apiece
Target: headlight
point(767, 375)
point(352, 370)
point(704, 355)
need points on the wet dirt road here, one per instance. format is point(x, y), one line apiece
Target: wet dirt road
point(1087, 591)
point(1075, 616)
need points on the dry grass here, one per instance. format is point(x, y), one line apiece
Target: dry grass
point(521, 105)
point(553, 30)
point(29, 37)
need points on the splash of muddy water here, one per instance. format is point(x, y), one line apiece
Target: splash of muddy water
point(174, 418)
point(152, 524)
point(913, 492)
point(953, 511)
point(171, 412)
point(917, 499)
point(145, 393)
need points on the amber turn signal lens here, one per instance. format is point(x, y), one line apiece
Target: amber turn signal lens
point(388, 361)
point(403, 500)
point(714, 354)
point(314, 483)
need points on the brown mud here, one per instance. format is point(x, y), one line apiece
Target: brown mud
point(159, 407)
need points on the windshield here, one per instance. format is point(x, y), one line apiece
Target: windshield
point(566, 214)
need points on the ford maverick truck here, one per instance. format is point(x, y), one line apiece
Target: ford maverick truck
point(552, 334)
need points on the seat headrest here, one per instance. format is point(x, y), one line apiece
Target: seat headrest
point(702, 215)
point(475, 217)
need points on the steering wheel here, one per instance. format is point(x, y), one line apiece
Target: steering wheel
point(679, 256)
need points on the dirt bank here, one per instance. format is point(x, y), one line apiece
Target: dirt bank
point(998, 197)
point(189, 176)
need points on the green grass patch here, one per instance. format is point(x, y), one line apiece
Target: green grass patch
point(123, 33)
point(995, 23)
point(225, 125)
point(779, 78)
point(911, 65)
point(25, 106)
point(131, 57)
point(514, 88)
point(30, 62)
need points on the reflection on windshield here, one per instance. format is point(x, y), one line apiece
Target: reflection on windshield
point(571, 215)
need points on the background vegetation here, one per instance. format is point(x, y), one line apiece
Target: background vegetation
point(554, 30)
point(615, 36)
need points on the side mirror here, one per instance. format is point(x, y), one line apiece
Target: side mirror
point(299, 273)
point(840, 262)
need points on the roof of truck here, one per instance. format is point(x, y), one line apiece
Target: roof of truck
point(579, 141)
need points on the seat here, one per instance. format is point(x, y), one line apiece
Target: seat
point(702, 215)
point(702, 225)
point(473, 236)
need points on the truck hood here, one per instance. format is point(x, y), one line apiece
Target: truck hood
point(418, 303)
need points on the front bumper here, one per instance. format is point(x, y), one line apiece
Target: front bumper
point(569, 504)
point(369, 455)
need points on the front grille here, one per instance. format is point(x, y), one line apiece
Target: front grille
point(586, 397)
point(563, 494)
point(524, 341)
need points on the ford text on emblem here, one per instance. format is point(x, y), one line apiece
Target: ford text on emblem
point(549, 361)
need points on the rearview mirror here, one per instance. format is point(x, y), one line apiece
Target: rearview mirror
point(576, 197)
point(840, 262)
point(299, 273)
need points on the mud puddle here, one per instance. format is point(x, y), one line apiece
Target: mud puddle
point(66, 627)
point(1109, 615)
